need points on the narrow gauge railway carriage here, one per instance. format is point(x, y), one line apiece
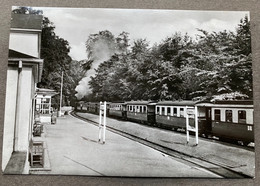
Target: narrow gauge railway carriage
point(172, 114)
point(82, 106)
point(141, 111)
point(228, 120)
point(118, 110)
point(93, 107)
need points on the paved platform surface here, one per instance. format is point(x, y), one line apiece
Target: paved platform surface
point(73, 149)
point(236, 158)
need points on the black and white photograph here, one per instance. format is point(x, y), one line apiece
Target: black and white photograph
point(146, 93)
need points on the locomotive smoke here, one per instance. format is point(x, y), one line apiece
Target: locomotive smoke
point(101, 52)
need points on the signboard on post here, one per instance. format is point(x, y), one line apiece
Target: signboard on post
point(192, 111)
point(102, 122)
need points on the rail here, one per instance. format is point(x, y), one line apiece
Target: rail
point(218, 168)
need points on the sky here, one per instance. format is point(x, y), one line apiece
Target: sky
point(76, 24)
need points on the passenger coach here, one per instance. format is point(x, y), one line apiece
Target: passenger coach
point(172, 114)
point(118, 109)
point(141, 111)
point(232, 120)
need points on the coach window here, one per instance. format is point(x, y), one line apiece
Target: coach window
point(163, 111)
point(181, 112)
point(241, 116)
point(158, 110)
point(168, 111)
point(217, 115)
point(228, 115)
point(174, 111)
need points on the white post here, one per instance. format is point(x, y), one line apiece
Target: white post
point(196, 125)
point(100, 121)
point(187, 124)
point(104, 122)
point(61, 85)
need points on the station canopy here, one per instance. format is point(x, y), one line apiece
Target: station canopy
point(46, 92)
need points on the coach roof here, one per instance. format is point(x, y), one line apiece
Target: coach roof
point(178, 103)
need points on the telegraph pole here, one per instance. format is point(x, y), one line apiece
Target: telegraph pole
point(61, 85)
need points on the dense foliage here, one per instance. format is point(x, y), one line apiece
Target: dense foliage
point(55, 52)
point(215, 65)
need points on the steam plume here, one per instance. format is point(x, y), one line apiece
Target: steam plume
point(102, 50)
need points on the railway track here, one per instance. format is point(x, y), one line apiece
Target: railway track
point(218, 168)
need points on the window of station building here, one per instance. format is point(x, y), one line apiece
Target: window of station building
point(137, 109)
point(134, 108)
point(217, 115)
point(43, 105)
point(174, 111)
point(168, 111)
point(241, 116)
point(228, 115)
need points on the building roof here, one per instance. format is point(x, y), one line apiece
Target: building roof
point(16, 54)
point(46, 92)
point(26, 21)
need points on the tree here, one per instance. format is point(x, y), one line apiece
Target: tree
point(217, 65)
point(27, 10)
point(223, 63)
point(55, 52)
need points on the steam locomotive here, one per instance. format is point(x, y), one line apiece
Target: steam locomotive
point(229, 120)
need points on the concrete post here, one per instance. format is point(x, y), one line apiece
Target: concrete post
point(104, 122)
point(196, 125)
point(100, 121)
point(187, 125)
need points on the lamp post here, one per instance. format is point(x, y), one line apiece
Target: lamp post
point(61, 85)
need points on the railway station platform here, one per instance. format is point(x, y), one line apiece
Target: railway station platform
point(237, 158)
point(73, 149)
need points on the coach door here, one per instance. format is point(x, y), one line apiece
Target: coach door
point(208, 118)
point(124, 111)
point(151, 113)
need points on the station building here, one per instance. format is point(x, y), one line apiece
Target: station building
point(43, 106)
point(23, 73)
